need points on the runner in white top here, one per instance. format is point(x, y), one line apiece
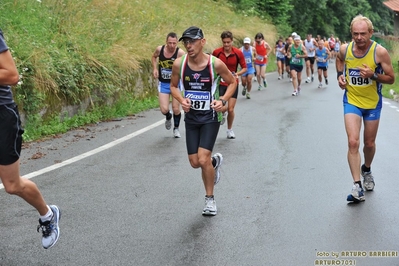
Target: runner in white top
point(311, 45)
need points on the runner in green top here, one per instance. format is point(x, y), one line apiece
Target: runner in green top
point(296, 54)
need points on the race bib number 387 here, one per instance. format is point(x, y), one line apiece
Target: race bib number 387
point(355, 78)
point(200, 100)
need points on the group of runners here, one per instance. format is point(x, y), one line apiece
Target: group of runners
point(205, 104)
point(293, 54)
point(192, 78)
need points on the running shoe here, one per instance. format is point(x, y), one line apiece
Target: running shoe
point(248, 95)
point(279, 78)
point(176, 133)
point(308, 80)
point(50, 229)
point(230, 134)
point(299, 89)
point(368, 181)
point(320, 86)
point(259, 88)
point(244, 90)
point(168, 123)
point(210, 207)
point(312, 78)
point(295, 93)
point(219, 159)
point(357, 194)
point(223, 118)
point(326, 81)
point(264, 83)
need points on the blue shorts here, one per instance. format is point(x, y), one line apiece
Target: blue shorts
point(261, 65)
point(250, 71)
point(367, 114)
point(281, 59)
point(164, 87)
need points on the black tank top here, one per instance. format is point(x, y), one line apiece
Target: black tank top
point(165, 65)
point(198, 87)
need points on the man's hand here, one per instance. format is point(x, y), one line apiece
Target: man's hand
point(366, 72)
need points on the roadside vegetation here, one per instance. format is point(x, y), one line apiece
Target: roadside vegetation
point(90, 52)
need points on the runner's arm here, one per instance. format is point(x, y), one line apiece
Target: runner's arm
point(174, 86)
point(385, 60)
point(8, 71)
point(154, 62)
point(339, 65)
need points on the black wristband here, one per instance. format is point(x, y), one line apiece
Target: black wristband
point(339, 74)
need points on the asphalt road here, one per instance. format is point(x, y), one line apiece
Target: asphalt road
point(128, 195)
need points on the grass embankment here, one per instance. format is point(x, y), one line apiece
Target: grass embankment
point(85, 52)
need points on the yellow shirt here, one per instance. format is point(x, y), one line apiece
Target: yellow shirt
point(361, 92)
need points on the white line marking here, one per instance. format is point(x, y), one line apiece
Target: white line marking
point(92, 152)
point(393, 106)
point(387, 103)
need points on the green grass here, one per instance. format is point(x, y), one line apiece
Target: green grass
point(71, 51)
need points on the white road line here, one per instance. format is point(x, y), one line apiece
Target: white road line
point(92, 152)
point(393, 106)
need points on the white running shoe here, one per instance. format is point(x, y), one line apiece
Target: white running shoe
point(168, 123)
point(368, 181)
point(176, 133)
point(219, 160)
point(50, 229)
point(279, 77)
point(210, 207)
point(308, 80)
point(295, 93)
point(320, 86)
point(230, 134)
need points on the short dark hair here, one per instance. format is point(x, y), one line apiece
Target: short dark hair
point(172, 35)
point(226, 34)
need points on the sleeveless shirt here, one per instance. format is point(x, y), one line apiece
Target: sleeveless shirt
point(362, 92)
point(165, 65)
point(201, 87)
point(294, 52)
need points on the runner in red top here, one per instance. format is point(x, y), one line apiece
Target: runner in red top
point(232, 57)
point(263, 50)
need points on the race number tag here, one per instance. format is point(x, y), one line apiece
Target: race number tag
point(248, 60)
point(166, 73)
point(200, 100)
point(320, 59)
point(260, 57)
point(296, 60)
point(355, 78)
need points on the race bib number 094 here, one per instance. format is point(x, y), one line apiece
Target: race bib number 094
point(200, 100)
point(355, 78)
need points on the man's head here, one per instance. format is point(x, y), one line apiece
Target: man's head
point(289, 40)
point(247, 42)
point(171, 41)
point(309, 37)
point(362, 29)
point(297, 40)
point(227, 40)
point(193, 40)
point(321, 44)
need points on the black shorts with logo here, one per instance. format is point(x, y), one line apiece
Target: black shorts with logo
point(10, 134)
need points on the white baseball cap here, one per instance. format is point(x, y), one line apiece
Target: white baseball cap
point(294, 34)
point(297, 38)
point(247, 40)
